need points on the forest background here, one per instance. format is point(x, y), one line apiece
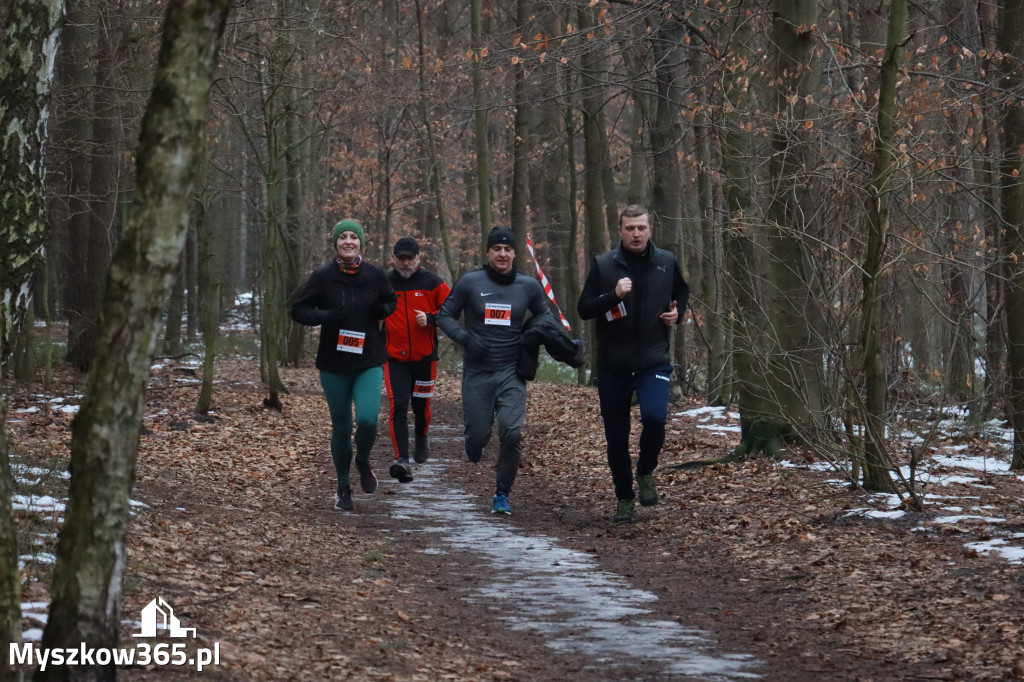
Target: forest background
point(840, 180)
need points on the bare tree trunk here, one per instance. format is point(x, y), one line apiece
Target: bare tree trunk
point(666, 184)
point(480, 110)
point(522, 135)
point(73, 116)
point(210, 284)
point(876, 459)
point(746, 299)
point(175, 312)
point(1011, 42)
point(711, 248)
point(444, 256)
point(592, 69)
point(88, 576)
point(791, 362)
point(27, 52)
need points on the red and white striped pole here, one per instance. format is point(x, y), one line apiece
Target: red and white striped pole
point(547, 285)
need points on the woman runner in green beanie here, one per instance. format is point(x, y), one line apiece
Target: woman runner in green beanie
point(348, 299)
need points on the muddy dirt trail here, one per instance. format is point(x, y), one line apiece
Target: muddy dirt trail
point(421, 582)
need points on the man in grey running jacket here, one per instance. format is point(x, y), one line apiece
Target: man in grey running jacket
point(494, 301)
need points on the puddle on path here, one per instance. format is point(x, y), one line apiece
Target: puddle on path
point(562, 594)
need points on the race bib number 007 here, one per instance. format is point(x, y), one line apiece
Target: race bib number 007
point(498, 313)
point(351, 342)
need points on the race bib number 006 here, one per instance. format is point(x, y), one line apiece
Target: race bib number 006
point(498, 313)
point(351, 342)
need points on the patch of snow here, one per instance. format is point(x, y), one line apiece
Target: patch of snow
point(714, 412)
point(32, 635)
point(720, 429)
point(986, 464)
point(876, 513)
point(967, 517)
point(1000, 547)
point(27, 410)
point(44, 503)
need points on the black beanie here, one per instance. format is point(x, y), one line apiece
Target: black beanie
point(502, 234)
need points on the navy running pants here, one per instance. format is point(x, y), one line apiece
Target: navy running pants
point(615, 391)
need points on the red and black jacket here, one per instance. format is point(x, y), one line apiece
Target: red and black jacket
point(424, 291)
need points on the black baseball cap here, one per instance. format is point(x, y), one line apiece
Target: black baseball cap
point(406, 246)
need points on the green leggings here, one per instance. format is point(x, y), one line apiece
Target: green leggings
point(342, 389)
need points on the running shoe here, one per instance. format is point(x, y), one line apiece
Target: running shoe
point(648, 491)
point(401, 470)
point(367, 481)
point(501, 505)
point(343, 499)
point(421, 453)
point(624, 511)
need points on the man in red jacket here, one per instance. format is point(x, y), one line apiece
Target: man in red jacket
point(412, 353)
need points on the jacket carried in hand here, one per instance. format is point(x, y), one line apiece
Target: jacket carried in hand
point(630, 334)
point(350, 310)
point(545, 330)
point(424, 291)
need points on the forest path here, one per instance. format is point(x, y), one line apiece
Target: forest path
point(740, 570)
point(512, 581)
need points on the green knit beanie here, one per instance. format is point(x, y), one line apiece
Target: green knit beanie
point(348, 225)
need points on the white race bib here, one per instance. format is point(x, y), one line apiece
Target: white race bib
point(423, 389)
point(616, 313)
point(351, 342)
point(498, 313)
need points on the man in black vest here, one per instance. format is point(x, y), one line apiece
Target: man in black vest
point(637, 292)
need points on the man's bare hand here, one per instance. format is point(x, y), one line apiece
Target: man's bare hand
point(669, 318)
point(421, 318)
point(623, 287)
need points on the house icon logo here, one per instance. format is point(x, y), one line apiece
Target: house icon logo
point(158, 615)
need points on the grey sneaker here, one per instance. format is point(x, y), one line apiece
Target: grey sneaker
point(648, 491)
point(624, 511)
point(401, 470)
point(343, 499)
point(367, 481)
point(421, 453)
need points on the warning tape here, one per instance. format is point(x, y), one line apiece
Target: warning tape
point(546, 284)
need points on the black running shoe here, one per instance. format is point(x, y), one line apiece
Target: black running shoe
point(367, 481)
point(401, 470)
point(343, 499)
point(422, 451)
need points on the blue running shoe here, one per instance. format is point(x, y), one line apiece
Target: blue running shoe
point(501, 505)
